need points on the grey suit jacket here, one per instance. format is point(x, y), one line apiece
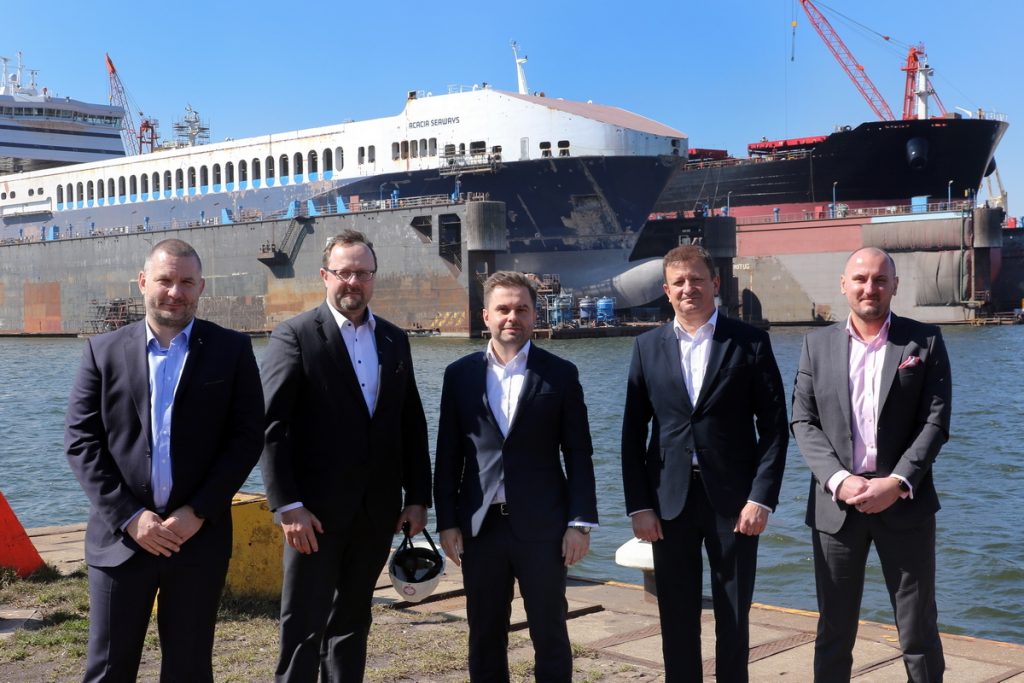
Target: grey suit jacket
point(912, 423)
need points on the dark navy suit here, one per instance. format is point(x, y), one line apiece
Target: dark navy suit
point(550, 428)
point(347, 467)
point(216, 437)
point(738, 430)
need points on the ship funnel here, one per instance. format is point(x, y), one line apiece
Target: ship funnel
point(917, 153)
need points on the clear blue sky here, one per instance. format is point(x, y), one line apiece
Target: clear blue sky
point(718, 70)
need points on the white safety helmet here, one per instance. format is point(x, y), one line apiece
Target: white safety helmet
point(416, 568)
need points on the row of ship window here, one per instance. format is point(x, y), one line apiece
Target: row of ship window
point(50, 113)
point(331, 161)
point(191, 178)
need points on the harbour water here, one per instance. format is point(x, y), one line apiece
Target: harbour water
point(979, 474)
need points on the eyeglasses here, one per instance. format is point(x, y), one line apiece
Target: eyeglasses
point(347, 275)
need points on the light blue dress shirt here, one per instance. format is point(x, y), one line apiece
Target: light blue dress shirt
point(165, 367)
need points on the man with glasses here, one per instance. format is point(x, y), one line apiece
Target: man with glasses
point(345, 436)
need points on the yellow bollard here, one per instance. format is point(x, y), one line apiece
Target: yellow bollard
point(255, 568)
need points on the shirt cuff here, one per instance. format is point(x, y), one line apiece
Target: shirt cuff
point(637, 512)
point(589, 524)
point(124, 526)
point(286, 508)
point(835, 480)
point(760, 505)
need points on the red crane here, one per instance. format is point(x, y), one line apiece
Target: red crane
point(846, 60)
point(135, 139)
point(916, 91)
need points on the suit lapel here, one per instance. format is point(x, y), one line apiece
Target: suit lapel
point(895, 346)
point(840, 353)
point(673, 365)
point(531, 382)
point(196, 346)
point(137, 366)
point(716, 355)
point(334, 348)
point(387, 359)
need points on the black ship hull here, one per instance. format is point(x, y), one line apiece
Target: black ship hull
point(879, 161)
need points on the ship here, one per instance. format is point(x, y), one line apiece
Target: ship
point(876, 163)
point(578, 179)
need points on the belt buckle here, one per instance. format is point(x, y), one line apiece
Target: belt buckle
point(503, 509)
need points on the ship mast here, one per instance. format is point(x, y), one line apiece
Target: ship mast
point(520, 72)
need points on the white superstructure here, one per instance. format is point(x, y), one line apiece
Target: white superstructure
point(465, 130)
point(39, 130)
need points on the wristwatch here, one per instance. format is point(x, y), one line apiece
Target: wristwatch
point(904, 486)
point(585, 530)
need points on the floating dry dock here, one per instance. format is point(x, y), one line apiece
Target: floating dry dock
point(618, 626)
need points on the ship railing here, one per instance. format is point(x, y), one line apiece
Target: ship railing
point(253, 215)
point(843, 211)
point(791, 155)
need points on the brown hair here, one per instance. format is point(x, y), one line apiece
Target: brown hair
point(348, 238)
point(509, 279)
point(688, 253)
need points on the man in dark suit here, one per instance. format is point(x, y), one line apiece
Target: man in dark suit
point(163, 426)
point(871, 410)
point(345, 435)
point(711, 470)
point(506, 510)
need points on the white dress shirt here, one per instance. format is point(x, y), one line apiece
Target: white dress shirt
point(504, 386)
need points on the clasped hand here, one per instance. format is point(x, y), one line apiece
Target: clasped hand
point(159, 536)
point(869, 496)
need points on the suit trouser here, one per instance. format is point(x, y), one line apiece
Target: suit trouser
point(908, 565)
point(326, 598)
point(678, 571)
point(120, 605)
point(491, 562)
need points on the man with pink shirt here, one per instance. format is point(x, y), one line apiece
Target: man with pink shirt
point(871, 410)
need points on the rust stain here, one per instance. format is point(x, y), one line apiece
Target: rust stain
point(42, 310)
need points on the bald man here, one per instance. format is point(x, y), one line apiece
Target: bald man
point(871, 410)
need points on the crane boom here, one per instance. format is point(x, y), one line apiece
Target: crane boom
point(119, 98)
point(846, 60)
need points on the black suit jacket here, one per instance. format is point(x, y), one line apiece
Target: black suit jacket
point(550, 426)
point(738, 426)
point(322, 446)
point(216, 435)
point(912, 424)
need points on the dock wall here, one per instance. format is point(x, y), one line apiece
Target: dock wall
point(260, 273)
point(948, 265)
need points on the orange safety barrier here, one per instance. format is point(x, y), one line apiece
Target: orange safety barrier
point(16, 549)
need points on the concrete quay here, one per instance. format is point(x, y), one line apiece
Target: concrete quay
point(613, 622)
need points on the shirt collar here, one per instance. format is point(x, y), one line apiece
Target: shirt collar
point(881, 338)
point(709, 327)
point(341, 319)
point(520, 358)
point(186, 333)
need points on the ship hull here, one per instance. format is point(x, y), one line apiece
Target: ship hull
point(879, 162)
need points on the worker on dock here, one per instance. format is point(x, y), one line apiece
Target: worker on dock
point(506, 511)
point(709, 390)
point(163, 426)
point(871, 410)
